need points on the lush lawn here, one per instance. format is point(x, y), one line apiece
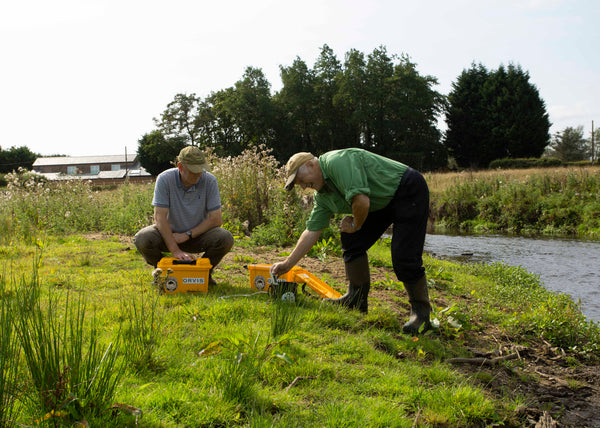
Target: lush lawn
point(234, 358)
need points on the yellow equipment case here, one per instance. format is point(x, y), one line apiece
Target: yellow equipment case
point(261, 279)
point(181, 276)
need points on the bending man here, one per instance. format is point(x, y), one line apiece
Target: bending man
point(377, 192)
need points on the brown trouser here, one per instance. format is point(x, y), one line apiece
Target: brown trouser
point(214, 243)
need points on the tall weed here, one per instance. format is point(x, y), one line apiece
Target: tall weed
point(9, 355)
point(248, 184)
point(142, 330)
point(128, 208)
point(73, 378)
point(561, 201)
point(244, 357)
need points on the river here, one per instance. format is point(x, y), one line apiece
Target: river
point(568, 266)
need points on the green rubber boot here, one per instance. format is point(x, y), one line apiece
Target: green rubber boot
point(359, 278)
point(420, 308)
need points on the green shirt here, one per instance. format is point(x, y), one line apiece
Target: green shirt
point(350, 172)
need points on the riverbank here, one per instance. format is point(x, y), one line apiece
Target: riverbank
point(505, 351)
point(550, 201)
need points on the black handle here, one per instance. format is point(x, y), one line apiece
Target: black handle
point(184, 262)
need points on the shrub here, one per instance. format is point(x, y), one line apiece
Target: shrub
point(73, 377)
point(508, 163)
point(247, 184)
point(9, 356)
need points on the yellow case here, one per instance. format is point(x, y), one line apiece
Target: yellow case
point(260, 279)
point(180, 276)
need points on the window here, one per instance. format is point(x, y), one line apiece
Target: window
point(115, 167)
point(71, 170)
point(94, 169)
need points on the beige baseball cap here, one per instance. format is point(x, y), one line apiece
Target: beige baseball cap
point(291, 168)
point(194, 159)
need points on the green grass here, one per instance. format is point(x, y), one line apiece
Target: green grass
point(233, 358)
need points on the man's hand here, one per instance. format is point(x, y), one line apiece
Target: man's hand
point(305, 243)
point(180, 237)
point(360, 211)
point(346, 225)
point(182, 255)
point(279, 269)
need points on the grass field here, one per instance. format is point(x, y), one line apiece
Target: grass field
point(232, 357)
point(86, 339)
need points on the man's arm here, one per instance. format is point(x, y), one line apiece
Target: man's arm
point(171, 239)
point(214, 219)
point(360, 211)
point(304, 244)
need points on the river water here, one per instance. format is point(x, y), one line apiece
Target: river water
point(565, 265)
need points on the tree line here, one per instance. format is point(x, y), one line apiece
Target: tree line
point(376, 101)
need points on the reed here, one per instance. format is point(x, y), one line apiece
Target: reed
point(538, 201)
point(73, 378)
point(9, 355)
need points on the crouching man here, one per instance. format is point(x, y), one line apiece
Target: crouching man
point(187, 214)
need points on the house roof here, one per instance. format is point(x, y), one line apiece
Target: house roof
point(82, 160)
point(101, 175)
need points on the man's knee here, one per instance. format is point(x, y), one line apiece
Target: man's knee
point(226, 239)
point(145, 238)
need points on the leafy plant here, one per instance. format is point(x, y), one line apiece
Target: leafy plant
point(244, 358)
point(326, 247)
point(285, 314)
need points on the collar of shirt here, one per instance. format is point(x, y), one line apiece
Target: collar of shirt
point(186, 189)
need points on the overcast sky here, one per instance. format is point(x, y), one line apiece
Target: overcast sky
point(86, 77)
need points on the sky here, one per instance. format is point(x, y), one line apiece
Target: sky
point(87, 77)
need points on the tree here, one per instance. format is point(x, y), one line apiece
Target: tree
point(155, 152)
point(294, 109)
point(466, 107)
point(329, 127)
point(251, 108)
point(15, 157)
point(569, 145)
point(380, 103)
point(414, 107)
point(493, 115)
point(180, 119)
point(391, 109)
point(238, 117)
point(353, 98)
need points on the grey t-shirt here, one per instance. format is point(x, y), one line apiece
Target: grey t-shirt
point(187, 207)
